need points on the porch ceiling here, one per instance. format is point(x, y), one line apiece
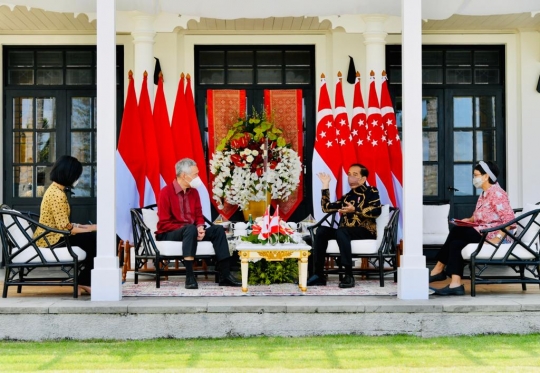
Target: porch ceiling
point(20, 19)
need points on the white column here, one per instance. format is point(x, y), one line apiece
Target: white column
point(143, 38)
point(375, 41)
point(412, 273)
point(106, 275)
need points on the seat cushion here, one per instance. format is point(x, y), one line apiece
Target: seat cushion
point(366, 246)
point(433, 238)
point(487, 251)
point(174, 248)
point(62, 253)
point(357, 246)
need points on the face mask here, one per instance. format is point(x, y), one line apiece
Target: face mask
point(353, 180)
point(75, 183)
point(195, 183)
point(477, 181)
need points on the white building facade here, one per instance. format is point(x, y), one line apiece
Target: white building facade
point(469, 94)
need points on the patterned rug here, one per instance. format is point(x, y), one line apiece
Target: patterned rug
point(211, 289)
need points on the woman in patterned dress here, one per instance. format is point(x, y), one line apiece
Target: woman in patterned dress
point(492, 209)
point(55, 213)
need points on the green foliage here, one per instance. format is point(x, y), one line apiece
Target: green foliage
point(265, 272)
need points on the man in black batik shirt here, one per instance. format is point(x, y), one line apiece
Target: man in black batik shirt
point(359, 209)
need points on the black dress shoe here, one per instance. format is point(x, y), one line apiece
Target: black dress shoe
point(441, 276)
point(229, 280)
point(315, 280)
point(191, 282)
point(447, 290)
point(347, 282)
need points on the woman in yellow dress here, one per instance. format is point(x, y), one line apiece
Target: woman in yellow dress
point(55, 213)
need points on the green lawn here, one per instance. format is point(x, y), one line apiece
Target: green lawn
point(493, 353)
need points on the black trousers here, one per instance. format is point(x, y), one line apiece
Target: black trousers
point(188, 235)
point(87, 242)
point(343, 236)
point(450, 252)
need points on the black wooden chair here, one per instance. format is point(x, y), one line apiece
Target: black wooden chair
point(521, 254)
point(379, 252)
point(22, 254)
point(144, 222)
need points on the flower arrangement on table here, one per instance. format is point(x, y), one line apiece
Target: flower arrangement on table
point(252, 160)
point(270, 231)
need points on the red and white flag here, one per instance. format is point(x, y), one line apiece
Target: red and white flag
point(152, 181)
point(273, 227)
point(326, 156)
point(181, 130)
point(167, 158)
point(394, 144)
point(198, 151)
point(343, 136)
point(359, 124)
point(265, 225)
point(130, 165)
point(380, 174)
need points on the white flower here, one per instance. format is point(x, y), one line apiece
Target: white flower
point(247, 151)
point(250, 158)
point(254, 153)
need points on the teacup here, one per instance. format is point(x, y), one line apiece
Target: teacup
point(240, 226)
point(292, 225)
point(305, 225)
point(240, 232)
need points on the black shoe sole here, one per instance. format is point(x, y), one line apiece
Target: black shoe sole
point(192, 287)
point(229, 284)
point(438, 277)
point(345, 286)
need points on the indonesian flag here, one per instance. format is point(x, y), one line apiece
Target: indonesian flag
point(273, 227)
point(343, 136)
point(198, 151)
point(265, 225)
point(152, 182)
point(167, 158)
point(326, 157)
point(394, 144)
point(380, 174)
point(130, 165)
point(359, 124)
point(181, 129)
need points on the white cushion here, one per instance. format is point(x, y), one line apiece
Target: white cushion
point(487, 251)
point(435, 220)
point(434, 239)
point(61, 252)
point(172, 248)
point(17, 235)
point(150, 219)
point(529, 236)
point(435, 224)
point(366, 246)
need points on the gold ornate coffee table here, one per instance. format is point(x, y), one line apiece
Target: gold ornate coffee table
point(249, 252)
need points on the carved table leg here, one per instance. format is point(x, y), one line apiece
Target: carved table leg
point(303, 270)
point(244, 268)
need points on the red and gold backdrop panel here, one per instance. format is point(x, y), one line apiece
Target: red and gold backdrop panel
point(224, 107)
point(285, 106)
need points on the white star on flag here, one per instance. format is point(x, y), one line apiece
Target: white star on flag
point(375, 123)
point(342, 122)
point(360, 142)
point(374, 143)
point(328, 144)
point(389, 122)
point(323, 134)
point(329, 124)
point(354, 133)
point(342, 142)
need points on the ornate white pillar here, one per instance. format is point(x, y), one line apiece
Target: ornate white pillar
point(412, 273)
point(106, 276)
point(143, 38)
point(375, 41)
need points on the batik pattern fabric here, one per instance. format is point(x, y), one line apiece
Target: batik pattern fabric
point(492, 209)
point(366, 202)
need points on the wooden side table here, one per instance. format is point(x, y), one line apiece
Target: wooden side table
point(250, 252)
